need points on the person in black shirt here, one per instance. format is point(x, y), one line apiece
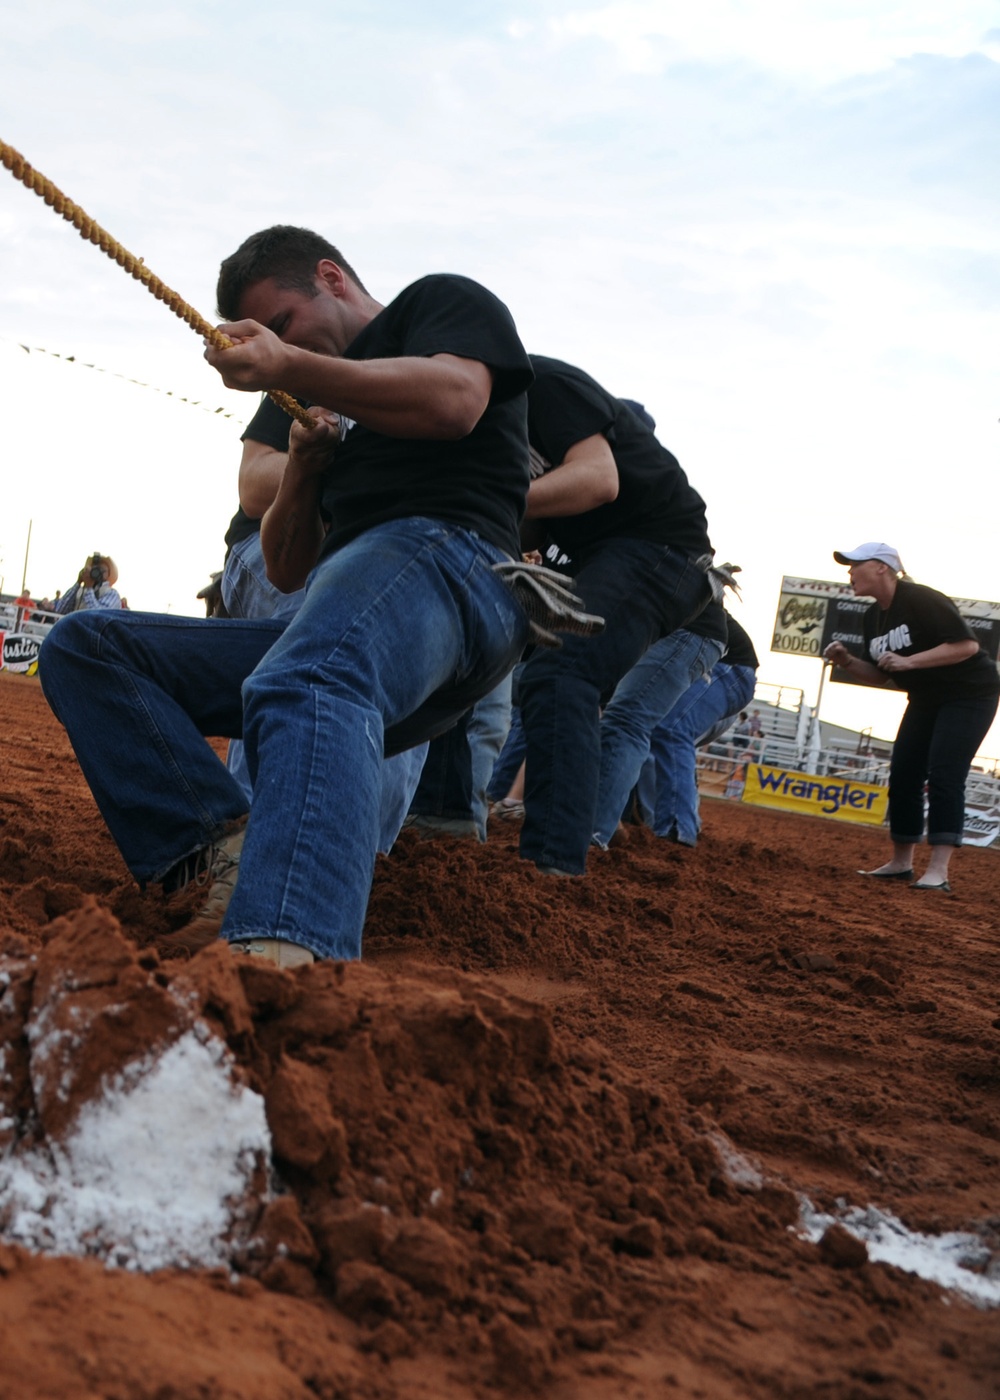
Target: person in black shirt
point(916, 639)
point(618, 503)
point(418, 460)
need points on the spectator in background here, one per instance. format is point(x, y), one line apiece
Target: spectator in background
point(739, 737)
point(94, 587)
point(46, 608)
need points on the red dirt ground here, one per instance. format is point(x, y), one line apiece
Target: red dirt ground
point(501, 1138)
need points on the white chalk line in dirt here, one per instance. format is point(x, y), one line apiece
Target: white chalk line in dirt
point(962, 1262)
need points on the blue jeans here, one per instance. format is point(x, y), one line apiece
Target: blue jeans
point(401, 631)
point(728, 690)
point(460, 764)
point(642, 699)
point(511, 757)
point(246, 593)
point(643, 591)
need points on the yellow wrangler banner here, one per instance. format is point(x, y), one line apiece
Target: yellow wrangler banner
point(813, 796)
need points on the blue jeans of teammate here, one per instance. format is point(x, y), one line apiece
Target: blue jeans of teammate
point(511, 757)
point(728, 690)
point(643, 591)
point(247, 593)
point(401, 631)
point(936, 744)
point(641, 700)
point(460, 764)
point(246, 590)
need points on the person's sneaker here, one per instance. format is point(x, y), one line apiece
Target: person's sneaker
point(279, 951)
point(508, 809)
point(216, 867)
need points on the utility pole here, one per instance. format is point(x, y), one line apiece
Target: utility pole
point(27, 548)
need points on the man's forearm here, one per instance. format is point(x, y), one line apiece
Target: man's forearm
point(585, 479)
point(292, 530)
point(261, 470)
point(440, 398)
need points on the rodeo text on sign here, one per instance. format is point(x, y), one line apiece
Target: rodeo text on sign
point(813, 796)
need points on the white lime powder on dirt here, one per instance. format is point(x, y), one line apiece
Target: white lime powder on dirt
point(153, 1172)
point(958, 1260)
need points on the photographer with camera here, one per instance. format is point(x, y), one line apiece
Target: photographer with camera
point(94, 587)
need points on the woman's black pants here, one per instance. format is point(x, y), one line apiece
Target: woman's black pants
point(936, 744)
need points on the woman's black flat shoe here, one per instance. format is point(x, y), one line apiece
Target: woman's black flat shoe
point(888, 875)
point(944, 887)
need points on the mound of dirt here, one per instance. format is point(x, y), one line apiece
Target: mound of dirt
point(551, 1137)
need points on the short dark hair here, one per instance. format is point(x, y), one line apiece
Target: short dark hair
point(284, 252)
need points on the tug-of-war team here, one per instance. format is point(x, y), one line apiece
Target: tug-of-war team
point(390, 650)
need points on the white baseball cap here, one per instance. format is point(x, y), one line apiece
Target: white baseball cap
point(874, 549)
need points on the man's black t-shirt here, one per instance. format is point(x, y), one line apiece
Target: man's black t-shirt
point(917, 619)
point(712, 622)
point(655, 500)
point(740, 651)
point(480, 481)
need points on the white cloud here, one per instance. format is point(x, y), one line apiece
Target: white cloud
point(796, 37)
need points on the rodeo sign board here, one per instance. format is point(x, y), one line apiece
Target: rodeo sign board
point(812, 613)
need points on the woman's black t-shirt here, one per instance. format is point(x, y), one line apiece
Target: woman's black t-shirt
point(917, 619)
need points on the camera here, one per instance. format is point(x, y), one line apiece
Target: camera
point(96, 570)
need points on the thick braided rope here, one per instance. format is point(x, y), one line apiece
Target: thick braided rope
point(93, 233)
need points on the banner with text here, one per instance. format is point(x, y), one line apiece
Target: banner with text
point(813, 796)
point(19, 652)
point(982, 827)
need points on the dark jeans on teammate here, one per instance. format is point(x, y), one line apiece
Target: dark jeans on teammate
point(644, 591)
point(936, 744)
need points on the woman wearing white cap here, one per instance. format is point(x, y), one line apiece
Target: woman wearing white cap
point(916, 639)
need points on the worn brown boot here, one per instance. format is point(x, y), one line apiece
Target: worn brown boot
point(280, 951)
point(216, 867)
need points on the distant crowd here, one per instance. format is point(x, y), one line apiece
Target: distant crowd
point(94, 588)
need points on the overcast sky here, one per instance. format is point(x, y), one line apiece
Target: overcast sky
point(773, 223)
